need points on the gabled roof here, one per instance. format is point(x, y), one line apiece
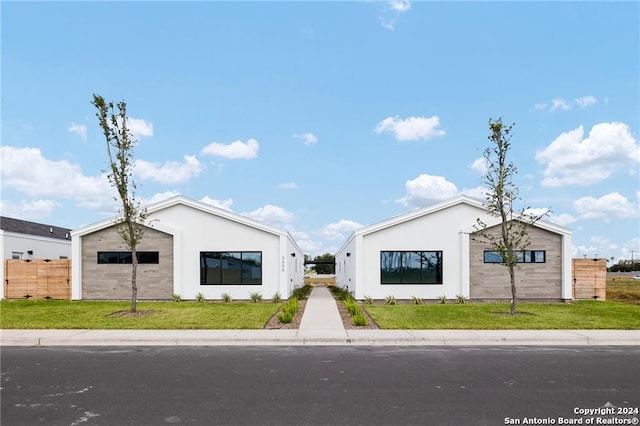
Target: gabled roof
point(182, 200)
point(19, 226)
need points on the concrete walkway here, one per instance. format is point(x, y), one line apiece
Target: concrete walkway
point(321, 325)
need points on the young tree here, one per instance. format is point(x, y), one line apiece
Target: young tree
point(501, 194)
point(120, 143)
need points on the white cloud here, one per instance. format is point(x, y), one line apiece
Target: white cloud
point(586, 101)
point(170, 172)
point(222, 204)
point(339, 230)
point(572, 160)
point(234, 150)
point(607, 207)
point(425, 189)
point(27, 171)
point(289, 185)
point(160, 196)
point(308, 138)
point(271, 214)
point(562, 219)
point(139, 128)
point(539, 107)
point(28, 209)
point(392, 12)
point(479, 193)
point(559, 103)
point(80, 130)
point(480, 165)
point(412, 128)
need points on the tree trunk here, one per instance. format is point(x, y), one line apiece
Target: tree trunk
point(134, 285)
point(514, 298)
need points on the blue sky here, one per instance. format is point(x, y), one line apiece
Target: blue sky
point(319, 117)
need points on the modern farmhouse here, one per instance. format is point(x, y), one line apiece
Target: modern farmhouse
point(436, 251)
point(189, 248)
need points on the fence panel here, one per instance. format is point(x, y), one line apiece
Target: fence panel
point(37, 279)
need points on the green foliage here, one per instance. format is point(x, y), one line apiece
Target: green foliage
point(285, 317)
point(226, 297)
point(277, 298)
point(255, 297)
point(340, 293)
point(368, 300)
point(325, 268)
point(302, 292)
point(460, 299)
point(200, 297)
point(443, 299)
point(176, 297)
point(359, 318)
point(390, 300)
point(352, 306)
point(416, 300)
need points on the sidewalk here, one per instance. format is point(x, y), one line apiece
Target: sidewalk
point(321, 325)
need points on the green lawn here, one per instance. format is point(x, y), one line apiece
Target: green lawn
point(65, 314)
point(488, 316)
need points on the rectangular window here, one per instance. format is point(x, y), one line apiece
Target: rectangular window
point(231, 268)
point(124, 257)
point(411, 267)
point(524, 256)
point(16, 255)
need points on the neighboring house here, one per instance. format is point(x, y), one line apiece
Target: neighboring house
point(189, 248)
point(20, 239)
point(435, 251)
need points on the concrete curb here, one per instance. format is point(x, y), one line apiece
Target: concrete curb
point(320, 337)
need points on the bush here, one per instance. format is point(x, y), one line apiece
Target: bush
point(390, 300)
point(176, 298)
point(443, 299)
point(291, 306)
point(277, 298)
point(360, 319)
point(285, 317)
point(302, 292)
point(352, 306)
point(416, 300)
point(226, 297)
point(200, 297)
point(368, 300)
point(341, 293)
point(256, 297)
point(460, 299)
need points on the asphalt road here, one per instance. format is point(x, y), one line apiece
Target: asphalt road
point(316, 385)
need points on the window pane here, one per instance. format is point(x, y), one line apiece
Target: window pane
point(210, 268)
point(432, 267)
point(411, 265)
point(251, 267)
point(539, 256)
point(492, 257)
point(527, 256)
point(148, 257)
point(390, 262)
point(232, 267)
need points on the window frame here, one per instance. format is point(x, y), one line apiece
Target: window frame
point(524, 256)
point(145, 257)
point(422, 280)
point(226, 276)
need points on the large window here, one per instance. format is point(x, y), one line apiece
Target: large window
point(230, 268)
point(411, 267)
point(524, 256)
point(148, 257)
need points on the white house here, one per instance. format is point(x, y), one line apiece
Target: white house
point(189, 248)
point(21, 239)
point(435, 251)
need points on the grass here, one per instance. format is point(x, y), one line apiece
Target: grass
point(488, 316)
point(65, 314)
point(623, 289)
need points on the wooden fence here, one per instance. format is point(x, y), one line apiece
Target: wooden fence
point(589, 279)
point(37, 279)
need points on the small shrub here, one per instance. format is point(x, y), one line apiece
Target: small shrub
point(352, 306)
point(390, 300)
point(277, 298)
point(340, 293)
point(176, 298)
point(291, 306)
point(416, 300)
point(368, 300)
point(200, 297)
point(460, 299)
point(302, 292)
point(443, 299)
point(285, 317)
point(360, 319)
point(256, 297)
point(226, 297)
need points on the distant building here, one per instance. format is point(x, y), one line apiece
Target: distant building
point(21, 239)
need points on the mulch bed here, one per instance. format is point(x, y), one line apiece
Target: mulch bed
point(129, 314)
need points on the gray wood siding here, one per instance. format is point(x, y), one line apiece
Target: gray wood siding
point(533, 280)
point(113, 281)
